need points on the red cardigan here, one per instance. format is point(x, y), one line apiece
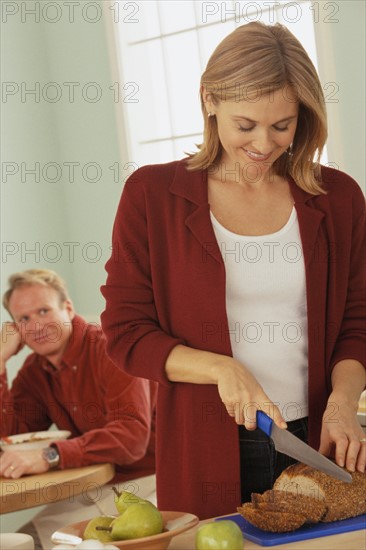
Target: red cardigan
point(166, 285)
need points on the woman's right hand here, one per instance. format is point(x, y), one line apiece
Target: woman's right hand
point(239, 390)
point(242, 395)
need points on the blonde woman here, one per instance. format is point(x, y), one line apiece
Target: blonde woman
point(237, 282)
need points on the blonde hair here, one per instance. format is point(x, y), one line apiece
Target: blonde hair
point(265, 58)
point(43, 277)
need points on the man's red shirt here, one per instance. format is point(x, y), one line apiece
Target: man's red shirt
point(110, 414)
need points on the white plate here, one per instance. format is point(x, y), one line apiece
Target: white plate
point(33, 440)
point(362, 418)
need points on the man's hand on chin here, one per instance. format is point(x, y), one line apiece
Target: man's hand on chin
point(15, 464)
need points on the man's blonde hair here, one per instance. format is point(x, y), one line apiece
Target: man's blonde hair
point(44, 277)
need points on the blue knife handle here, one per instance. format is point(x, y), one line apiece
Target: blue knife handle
point(264, 423)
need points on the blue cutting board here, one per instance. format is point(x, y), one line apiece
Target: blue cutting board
point(310, 531)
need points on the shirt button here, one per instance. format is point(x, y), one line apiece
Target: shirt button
point(75, 367)
point(75, 408)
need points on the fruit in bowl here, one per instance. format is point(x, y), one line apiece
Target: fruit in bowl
point(138, 521)
point(174, 523)
point(124, 499)
point(138, 518)
point(92, 531)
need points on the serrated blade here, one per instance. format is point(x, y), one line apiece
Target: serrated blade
point(287, 443)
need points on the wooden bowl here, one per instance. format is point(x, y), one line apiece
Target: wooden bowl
point(174, 524)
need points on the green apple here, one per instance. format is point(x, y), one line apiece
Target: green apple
point(103, 535)
point(124, 499)
point(138, 520)
point(219, 535)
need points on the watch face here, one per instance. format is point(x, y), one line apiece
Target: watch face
point(50, 454)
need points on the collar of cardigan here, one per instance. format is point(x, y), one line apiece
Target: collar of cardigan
point(196, 190)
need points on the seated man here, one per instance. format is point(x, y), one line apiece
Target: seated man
point(69, 381)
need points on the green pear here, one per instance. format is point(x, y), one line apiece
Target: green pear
point(137, 521)
point(92, 530)
point(124, 499)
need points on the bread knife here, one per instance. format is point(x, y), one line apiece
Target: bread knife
point(287, 443)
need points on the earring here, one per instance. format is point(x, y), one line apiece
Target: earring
point(210, 114)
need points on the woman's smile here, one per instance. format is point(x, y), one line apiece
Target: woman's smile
point(257, 156)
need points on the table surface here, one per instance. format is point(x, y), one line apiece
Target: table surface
point(355, 540)
point(52, 486)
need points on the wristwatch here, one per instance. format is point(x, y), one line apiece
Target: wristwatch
point(51, 456)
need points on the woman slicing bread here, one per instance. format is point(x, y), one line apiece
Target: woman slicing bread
point(237, 282)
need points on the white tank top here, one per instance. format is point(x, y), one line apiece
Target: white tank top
point(266, 311)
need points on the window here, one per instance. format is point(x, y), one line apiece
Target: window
point(163, 49)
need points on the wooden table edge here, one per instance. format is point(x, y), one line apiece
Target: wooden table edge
point(60, 485)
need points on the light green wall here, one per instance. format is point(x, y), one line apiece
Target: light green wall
point(28, 136)
point(341, 55)
point(350, 56)
point(79, 212)
point(86, 134)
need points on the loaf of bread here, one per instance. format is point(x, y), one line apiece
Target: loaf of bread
point(279, 512)
point(302, 495)
point(343, 500)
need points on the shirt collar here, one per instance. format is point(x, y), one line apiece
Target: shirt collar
point(74, 347)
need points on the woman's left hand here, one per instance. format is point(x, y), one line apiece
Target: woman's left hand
point(342, 431)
